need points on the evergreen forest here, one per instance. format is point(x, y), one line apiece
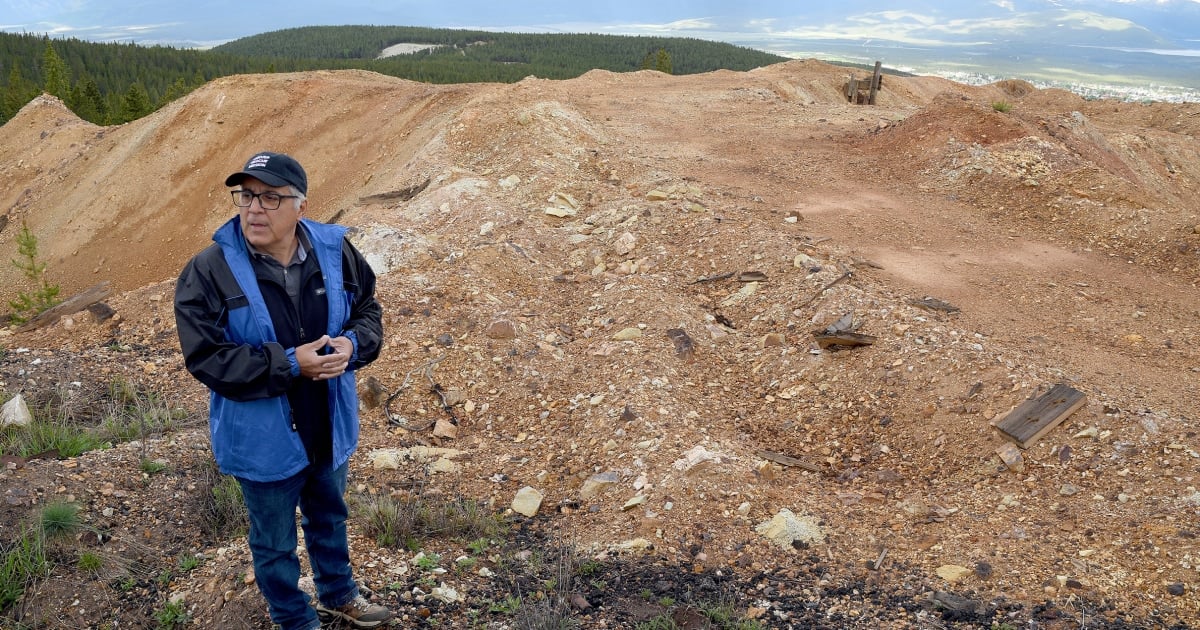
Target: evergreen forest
point(113, 83)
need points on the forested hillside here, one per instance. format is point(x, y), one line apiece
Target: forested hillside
point(459, 56)
point(116, 83)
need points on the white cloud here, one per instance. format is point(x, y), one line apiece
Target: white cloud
point(1092, 20)
point(694, 24)
point(918, 29)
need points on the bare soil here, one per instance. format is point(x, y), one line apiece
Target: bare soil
point(1058, 241)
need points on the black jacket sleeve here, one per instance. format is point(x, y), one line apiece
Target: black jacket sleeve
point(235, 371)
point(366, 315)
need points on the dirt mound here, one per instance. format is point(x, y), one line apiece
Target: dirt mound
point(1016, 88)
point(667, 251)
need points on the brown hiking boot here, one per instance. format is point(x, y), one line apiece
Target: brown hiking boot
point(358, 612)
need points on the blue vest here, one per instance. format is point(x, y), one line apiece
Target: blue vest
point(254, 439)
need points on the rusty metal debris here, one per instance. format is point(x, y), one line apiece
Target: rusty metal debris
point(685, 348)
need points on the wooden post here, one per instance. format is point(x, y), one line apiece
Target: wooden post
point(874, 85)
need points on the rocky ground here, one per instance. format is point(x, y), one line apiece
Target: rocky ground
point(617, 284)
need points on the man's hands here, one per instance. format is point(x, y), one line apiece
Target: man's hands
point(321, 367)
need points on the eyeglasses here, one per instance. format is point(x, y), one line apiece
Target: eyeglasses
point(268, 200)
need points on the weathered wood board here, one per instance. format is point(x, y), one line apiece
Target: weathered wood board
point(1035, 417)
point(787, 460)
point(70, 306)
point(842, 339)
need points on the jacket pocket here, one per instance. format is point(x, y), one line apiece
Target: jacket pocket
point(254, 439)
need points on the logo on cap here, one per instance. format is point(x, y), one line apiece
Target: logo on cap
point(259, 161)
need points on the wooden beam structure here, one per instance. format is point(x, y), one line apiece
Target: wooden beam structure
point(856, 87)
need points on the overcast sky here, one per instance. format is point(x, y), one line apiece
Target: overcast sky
point(919, 22)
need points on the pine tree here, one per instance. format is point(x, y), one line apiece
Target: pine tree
point(27, 305)
point(659, 60)
point(19, 93)
point(176, 90)
point(662, 61)
point(87, 102)
point(57, 77)
point(135, 104)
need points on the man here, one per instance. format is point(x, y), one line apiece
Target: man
point(274, 318)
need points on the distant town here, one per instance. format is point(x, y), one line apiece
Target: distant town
point(1177, 84)
point(1091, 91)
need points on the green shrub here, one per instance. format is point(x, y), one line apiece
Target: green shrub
point(173, 615)
point(427, 561)
point(507, 606)
point(1001, 106)
point(479, 545)
point(589, 568)
point(152, 467)
point(189, 563)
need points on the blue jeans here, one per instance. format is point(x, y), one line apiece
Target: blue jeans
point(318, 491)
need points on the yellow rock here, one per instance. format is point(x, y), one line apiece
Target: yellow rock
point(952, 572)
point(628, 334)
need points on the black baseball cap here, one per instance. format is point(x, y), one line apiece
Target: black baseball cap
point(273, 169)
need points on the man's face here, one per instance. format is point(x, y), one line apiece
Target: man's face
point(270, 229)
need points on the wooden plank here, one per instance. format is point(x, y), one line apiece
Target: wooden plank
point(1035, 417)
point(842, 339)
point(71, 305)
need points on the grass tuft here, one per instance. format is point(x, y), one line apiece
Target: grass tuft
point(71, 421)
point(22, 562)
point(403, 523)
point(222, 509)
point(60, 519)
point(90, 562)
